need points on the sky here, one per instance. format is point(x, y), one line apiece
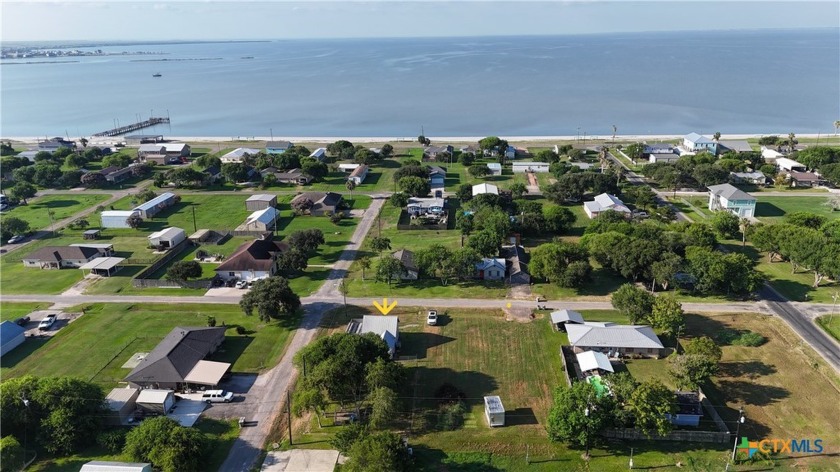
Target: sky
point(38, 20)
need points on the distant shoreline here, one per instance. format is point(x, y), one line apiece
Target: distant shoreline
point(434, 139)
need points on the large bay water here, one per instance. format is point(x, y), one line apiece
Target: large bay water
point(656, 83)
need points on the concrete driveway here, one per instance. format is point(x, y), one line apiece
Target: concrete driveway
point(186, 411)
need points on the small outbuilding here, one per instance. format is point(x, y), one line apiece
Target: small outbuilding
point(167, 238)
point(122, 402)
point(260, 202)
point(520, 167)
point(117, 218)
point(11, 336)
point(494, 410)
point(560, 318)
point(595, 362)
point(103, 266)
point(156, 402)
point(495, 168)
point(107, 466)
point(261, 220)
point(156, 205)
point(91, 234)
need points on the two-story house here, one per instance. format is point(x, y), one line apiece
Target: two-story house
point(730, 198)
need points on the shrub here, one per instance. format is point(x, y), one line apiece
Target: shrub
point(112, 440)
point(451, 416)
point(211, 321)
point(240, 330)
point(750, 339)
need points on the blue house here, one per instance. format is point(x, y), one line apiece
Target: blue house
point(695, 143)
point(437, 179)
point(277, 147)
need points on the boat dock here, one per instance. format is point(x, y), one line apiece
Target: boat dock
point(134, 127)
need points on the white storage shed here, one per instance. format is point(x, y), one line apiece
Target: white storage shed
point(11, 336)
point(167, 238)
point(156, 401)
point(106, 466)
point(117, 218)
point(494, 410)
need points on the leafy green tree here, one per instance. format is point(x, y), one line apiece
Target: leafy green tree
point(70, 178)
point(389, 269)
point(805, 219)
point(364, 264)
point(336, 148)
point(664, 270)
point(691, 371)
point(378, 451)
point(484, 242)
point(271, 298)
point(183, 270)
point(315, 168)
point(492, 142)
point(398, 200)
point(547, 155)
point(466, 159)
point(188, 176)
point(726, 224)
point(435, 261)
point(558, 220)
point(380, 244)
point(411, 169)
point(518, 189)
point(578, 414)
point(234, 172)
point(75, 161)
point(13, 225)
point(667, 315)
point(384, 407)
point(93, 180)
point(414, 186)
point(464, 223)
point(208, 160)
point(384, 373)
point(552, 261)
point(167, 445)
point(702, 235)
point(306, 240)
point(704, 346)
point(479, 170)
point(464, 193)
point(722, 273)
point(650, 402)
point(347, 436)
point(366, 156)
point(633, 302)
point(635, 151)
point(309, 399)
point(46, 174)
point(815, 157)
point(12, 455)
point(301, 205)
point(117, 160)
point(464, 261)
point(292, 262)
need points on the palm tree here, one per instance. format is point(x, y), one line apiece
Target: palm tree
point(745, 226)
point(351, 184)
point(791, 141)
point(836, 126)
point(717, 136)
point(615, 130)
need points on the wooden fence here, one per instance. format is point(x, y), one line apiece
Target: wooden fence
point(676, 435)
point(145, 273)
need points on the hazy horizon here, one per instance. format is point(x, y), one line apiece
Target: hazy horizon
point(281, 20)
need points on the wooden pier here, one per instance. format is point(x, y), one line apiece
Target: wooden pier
point(134, 127)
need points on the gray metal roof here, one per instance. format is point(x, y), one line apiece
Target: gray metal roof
point(729, 192)
point(626, 336)
point(159, 200)
point(493, 404)
point(9, 331)
point(262, 197)
point(698, 138)
point(562, 316)
point(386, 327)
point(176, 355)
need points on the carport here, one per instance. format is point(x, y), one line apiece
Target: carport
point(208, 373)
point(104, 266)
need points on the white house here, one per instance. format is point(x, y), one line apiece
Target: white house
point(319, 154)
point(253, 260)
point(603, 203)
point(386, 327)
point(655, 157)
point(167, 238)
point(348, 167)
point(495, 168)
point(117, 218)
point(484, 188)
point(359, 174)
point(770, 155)
point(695, 142)
point(788, 165)
point(490, 268)
point(755, 178)
point(728, 197)
point(525, 166)
point(422, 206)
point(237, 154)
point(260, 220)
point(614, 339)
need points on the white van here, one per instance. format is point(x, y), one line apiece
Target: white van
point(215, 396)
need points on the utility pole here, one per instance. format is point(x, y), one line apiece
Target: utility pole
point(740, 421)
point(289, 414)
point(195, 228)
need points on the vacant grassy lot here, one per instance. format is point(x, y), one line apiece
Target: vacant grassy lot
point(13, 310)
point(37, 212)
point(482, 354)
point(785, 388)
point(831, 325)
point(772, 209)
point(96, 345)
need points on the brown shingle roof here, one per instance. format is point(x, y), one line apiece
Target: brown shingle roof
point(175, 356)
point(257, 255)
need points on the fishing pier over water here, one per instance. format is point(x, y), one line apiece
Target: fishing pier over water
point(134, 126)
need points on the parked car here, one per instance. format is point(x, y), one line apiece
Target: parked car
point(216, 396)
point(47, 322)
point(431, 318)
point(242, 284)
point(22, 321)
point(16, 239)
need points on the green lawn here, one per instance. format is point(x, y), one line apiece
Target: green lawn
point(81, 348)
point(36, 213)
point(773, 209)
point(831, 325)
point(13, 310)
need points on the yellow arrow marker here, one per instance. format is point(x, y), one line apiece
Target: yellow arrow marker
point(384, 308)
point(508, 305)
